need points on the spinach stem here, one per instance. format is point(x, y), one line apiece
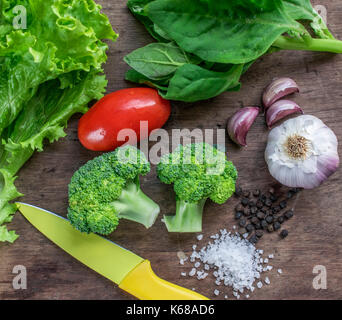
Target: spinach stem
point(323, 45)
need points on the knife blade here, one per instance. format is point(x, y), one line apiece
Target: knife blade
point(131, 272)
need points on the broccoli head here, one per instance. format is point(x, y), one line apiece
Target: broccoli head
point(107, 188)
point(198, 172)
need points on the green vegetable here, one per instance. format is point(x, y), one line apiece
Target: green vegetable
point(157, 61)
point(48, 72)
point(191, 83)
point(220, 35)
point(198, 172)
point(137, 8)
point(218, 32)
point(303, 10)
point(107, 189)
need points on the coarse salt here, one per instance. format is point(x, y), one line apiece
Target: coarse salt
point(267, 280)
point(236, 261)
point(200, 237)
point(183, 274)
point(192, 272)
point(216, 292)
point(280, 271)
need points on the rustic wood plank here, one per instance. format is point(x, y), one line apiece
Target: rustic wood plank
point(314, 231)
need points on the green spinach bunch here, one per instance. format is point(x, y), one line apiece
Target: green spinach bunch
point(204, 46)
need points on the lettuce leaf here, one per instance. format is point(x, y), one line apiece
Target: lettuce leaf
point(48, 72)
point(61, 36)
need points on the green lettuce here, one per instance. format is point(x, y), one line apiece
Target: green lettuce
point(48, 72)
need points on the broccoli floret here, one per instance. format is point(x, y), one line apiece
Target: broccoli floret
point(198, 172)
point(107, 188)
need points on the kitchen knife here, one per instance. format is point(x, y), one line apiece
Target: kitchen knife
point(131, 272)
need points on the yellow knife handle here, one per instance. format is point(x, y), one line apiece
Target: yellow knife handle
point(143, 283)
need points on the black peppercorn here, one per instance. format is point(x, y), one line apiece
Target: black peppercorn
point(276, 226)
point(264, 210)
point(276, 209)
point(239, 207)
point(238, 215)
point(281, 220)
point(249, 227)
point(271, 190)
point(269, 212)
point(242, 222)
point(264, 224)
point(273, 198)
point(246, 194)
point(259, 204)
point(290, 194)
point(284, 234)
point(268, 203)
point(244, 201)
point(263, 198)
point(256, 193)
point(257, 226)
point(254, 210)
point(269, 219)
point(283, 204)
point(247, 212)
point(260, 215)
point(288, 214)
point(259, 233)
point(255, 220)
point(251, 203)
point(254, 239)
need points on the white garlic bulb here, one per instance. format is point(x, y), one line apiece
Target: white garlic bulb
point(302, 152)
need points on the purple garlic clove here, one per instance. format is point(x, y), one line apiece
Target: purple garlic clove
point(280, 110)
point(240, 123)
point(278, 89)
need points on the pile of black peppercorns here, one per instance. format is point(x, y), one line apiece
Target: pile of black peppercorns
point(258, 212)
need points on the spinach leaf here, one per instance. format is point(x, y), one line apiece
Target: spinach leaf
point(192, 83)
point(223, 31)
point(303, 10)
point(134, 76)
point(161, 32)
point(157, 60)
point(137, 8)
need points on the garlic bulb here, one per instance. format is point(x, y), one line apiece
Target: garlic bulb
point(302, 152)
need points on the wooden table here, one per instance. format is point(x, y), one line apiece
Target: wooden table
point(315, 231)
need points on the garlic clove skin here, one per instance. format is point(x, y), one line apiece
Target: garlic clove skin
point(281, 109)
point(278, 89)
point(240, 123)
point(302, 152)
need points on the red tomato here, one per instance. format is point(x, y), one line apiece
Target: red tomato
point(124, 109)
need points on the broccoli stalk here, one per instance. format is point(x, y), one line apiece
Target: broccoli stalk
point(188, 217)
point(198, 172)
point(135, 205)
point(107, 189)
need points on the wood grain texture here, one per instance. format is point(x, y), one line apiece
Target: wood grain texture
point(315, 231)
